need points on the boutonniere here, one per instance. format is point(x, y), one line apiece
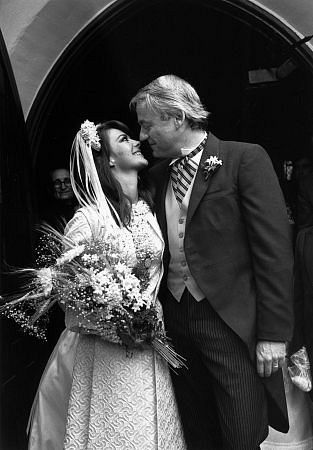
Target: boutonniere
point(210, 165)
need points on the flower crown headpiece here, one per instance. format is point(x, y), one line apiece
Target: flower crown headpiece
point(84, 176)
point(88, 131)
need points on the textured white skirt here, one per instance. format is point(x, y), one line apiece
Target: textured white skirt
point(99, 397)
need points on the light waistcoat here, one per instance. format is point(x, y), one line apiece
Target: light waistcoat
point(179, 275)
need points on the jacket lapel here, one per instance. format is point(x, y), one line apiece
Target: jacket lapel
point(201, 185)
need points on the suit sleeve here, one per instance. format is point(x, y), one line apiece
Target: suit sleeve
point(304, 204)
point(298, 334)
point(269, 237)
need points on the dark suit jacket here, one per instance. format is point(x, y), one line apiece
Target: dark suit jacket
point(305, 202)
point(303, 334)
point(238, 240)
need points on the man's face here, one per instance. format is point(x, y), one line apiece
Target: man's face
point(160, 134)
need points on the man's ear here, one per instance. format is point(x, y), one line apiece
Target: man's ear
point(179, 119)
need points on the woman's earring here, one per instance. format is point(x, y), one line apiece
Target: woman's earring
point(112, 162)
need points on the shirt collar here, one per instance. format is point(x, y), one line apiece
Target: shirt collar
point(186, 151)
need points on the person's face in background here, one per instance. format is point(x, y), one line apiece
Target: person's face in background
point(61, 184)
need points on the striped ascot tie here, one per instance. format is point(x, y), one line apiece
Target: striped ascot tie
point(183, 171)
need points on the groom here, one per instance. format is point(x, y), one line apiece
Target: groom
point(227, 286)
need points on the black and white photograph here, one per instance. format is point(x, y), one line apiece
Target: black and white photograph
point(156, 224)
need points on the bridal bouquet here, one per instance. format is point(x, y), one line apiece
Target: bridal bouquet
point(101, 293)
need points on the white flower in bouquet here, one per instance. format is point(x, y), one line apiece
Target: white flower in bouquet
point(86, 258)
point(69, 255)
point(147, 300)
point(121, 269)
point(104, 277)
point(94, 258)
point(138, 305)
point(113, 295)
point(45, 280)
point(99, 281)
point(131, 285)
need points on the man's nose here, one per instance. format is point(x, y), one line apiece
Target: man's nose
point(63, 185)
point(143, 136)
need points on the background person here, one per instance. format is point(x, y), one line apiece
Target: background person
point(61, 205)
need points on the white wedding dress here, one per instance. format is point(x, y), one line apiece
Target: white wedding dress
point(95, 395)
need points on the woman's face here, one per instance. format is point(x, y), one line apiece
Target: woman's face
point(125, 152)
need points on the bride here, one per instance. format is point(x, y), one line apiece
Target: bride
point(93, 393)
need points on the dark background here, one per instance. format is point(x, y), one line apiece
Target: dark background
point(211, 50)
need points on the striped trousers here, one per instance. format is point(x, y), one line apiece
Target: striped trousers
point(220, 396)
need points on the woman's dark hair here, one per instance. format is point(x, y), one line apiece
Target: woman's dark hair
point(111, 187)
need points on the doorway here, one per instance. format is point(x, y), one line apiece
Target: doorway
point(218, 48)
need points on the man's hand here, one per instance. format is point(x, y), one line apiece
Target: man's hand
point(269, 356)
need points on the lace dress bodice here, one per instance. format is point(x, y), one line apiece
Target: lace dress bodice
point(148, 245)
point(142, 238)
point(140, 246)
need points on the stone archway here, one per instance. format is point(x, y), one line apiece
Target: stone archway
point(38, 33)
point(285, 25)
